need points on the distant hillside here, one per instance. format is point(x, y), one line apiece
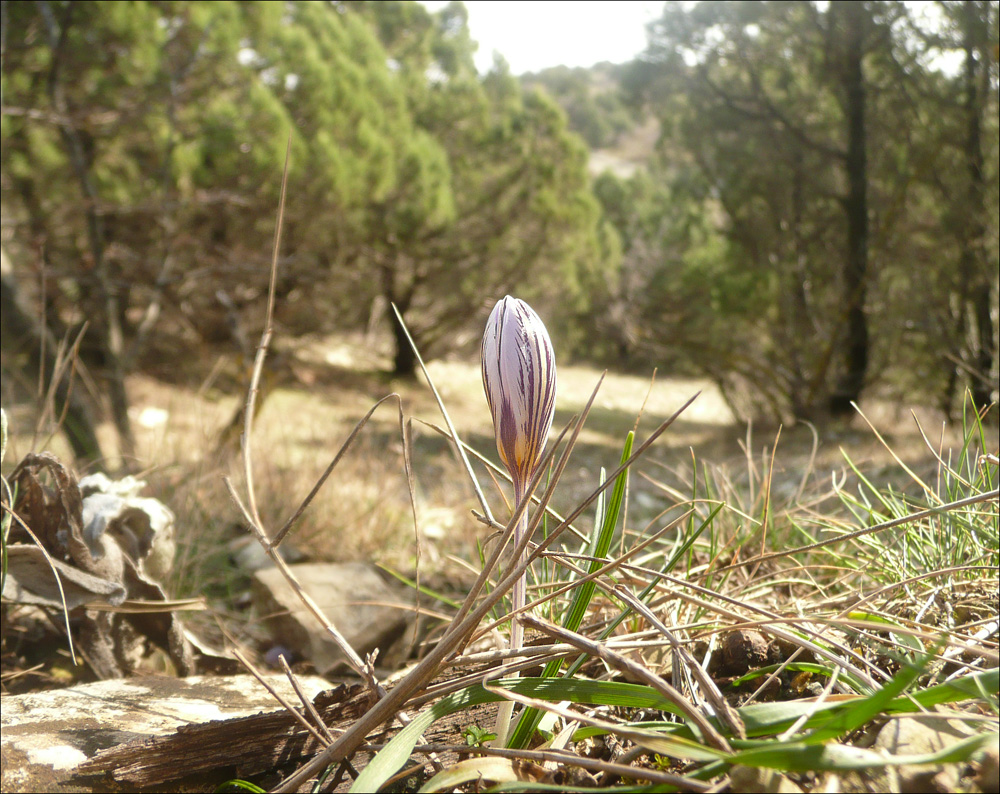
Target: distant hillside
point(621, 136)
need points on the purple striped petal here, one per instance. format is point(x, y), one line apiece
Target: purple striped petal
point(519, 375)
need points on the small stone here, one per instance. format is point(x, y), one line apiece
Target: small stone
point(248, 555)
point(920, 736)
point(368, 611)
point(743, 651)
point(988, 778)
point(754, 780)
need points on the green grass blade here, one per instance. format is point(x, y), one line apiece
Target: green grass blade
point(861, 711)
point(241, 785)
point(762, 719)
point(801, 667)
point(600, 545)
point(906, 640)
point(528, 722)
point(833, 757)
point(422, 589)
point(391, 758)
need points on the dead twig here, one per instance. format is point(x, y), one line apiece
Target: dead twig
point(278, 696)
point(601, 651)
point(307, 704)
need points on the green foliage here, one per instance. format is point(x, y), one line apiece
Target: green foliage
point(600, 544)
point(476, 736)
point(595, 108)
point(412, 180)
point(142, 147)
point(815, 722)
point(957, 542)
point(735, 245)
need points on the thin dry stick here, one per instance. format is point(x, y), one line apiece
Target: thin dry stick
point(726, 713)
point(937, 455)
point(280, 534)
point(627, 666)
point(931, 493)
point(571, 759)
point(362, 668)
point(447, 418)
point(462, 628)
point(561, 558)
point(250, 511)
point(265, 340)
point(808, 469)
point(495, 470)
point(278, 696)
point(351, 656)
point(136, 606)
point(307, 704)
point(63, 359)
point(43, 324)
point(767, 505)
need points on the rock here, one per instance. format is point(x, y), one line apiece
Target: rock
point(248, 555)
point(988, 778)
point(754, 780)
point(743, 651)
point(47, 735)
point(919, 736)
point(368, 611)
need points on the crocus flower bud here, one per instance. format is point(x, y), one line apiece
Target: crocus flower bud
point(519, 375)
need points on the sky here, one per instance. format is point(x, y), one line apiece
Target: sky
point(535, 34)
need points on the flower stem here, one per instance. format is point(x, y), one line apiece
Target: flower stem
point(519, 594)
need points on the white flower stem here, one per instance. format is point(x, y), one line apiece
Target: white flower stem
point(519, 594)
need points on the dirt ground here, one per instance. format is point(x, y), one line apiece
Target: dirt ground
point(311, 399)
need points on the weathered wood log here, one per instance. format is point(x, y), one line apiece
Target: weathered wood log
point(239, 747)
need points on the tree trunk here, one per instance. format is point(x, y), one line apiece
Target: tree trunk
point(801, 386)
point(108, 327)
point(404, 361)
point(972, 263)
point(23, 332)
point(855, 361)
point(982, 385)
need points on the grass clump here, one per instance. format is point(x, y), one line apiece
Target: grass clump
point(679, 655)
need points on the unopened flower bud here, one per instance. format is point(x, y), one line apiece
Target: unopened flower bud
point(519, 375)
